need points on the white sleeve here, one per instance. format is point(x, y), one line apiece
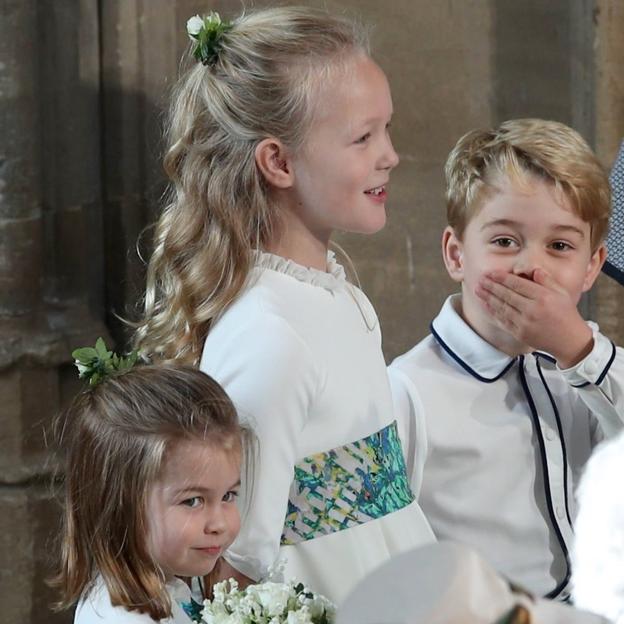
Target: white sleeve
point(268, 372)
point(410, 416)
point(599, 380)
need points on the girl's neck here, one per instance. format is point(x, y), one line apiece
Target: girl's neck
point(297, 243)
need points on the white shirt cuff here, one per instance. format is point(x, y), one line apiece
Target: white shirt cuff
point(593, 368)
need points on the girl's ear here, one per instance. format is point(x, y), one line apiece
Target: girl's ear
point(452, 252)
point(593, 268)
point(273, 160)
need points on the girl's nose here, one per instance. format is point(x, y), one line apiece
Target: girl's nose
point(215, 521)
point(389, 158)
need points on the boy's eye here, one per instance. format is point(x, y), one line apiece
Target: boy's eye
point(560, 246)
point(194, 501)
point(363, 138)
point(503, 241)
point(230, 496)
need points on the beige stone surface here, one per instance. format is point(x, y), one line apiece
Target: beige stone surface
point(28, 529)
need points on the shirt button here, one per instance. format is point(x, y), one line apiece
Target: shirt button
point(550, 434)
point(559, 511)
point(591, 368)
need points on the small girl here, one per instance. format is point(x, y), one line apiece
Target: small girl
point(278, 137)
point(153, 459)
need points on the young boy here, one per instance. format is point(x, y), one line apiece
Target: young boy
point(511, 391)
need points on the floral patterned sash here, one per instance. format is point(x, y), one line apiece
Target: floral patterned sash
point(347, 486)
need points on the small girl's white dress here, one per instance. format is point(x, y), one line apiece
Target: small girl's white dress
point(96, 607)
point(299, 353)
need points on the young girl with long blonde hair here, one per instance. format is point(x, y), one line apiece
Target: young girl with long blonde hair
point(152, 472)
point(277, 138)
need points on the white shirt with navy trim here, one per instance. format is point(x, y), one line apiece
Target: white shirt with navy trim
point(498, 443)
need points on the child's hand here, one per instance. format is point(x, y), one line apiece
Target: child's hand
point(538, 313)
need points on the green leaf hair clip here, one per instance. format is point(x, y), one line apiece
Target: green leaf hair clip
point(206, 32)
point(95, 364)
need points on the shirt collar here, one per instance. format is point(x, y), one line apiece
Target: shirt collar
point(476, 356)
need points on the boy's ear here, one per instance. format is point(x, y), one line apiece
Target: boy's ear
point(452, 252)
point(593, 268)
point(272, 158)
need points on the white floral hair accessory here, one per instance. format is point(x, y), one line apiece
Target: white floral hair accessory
point(207, 34)
point(274, 603)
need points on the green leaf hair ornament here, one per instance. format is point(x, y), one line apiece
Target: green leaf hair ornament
point(95, 364)
point(206, 32)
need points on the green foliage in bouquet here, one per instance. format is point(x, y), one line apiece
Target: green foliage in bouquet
point(97, 363)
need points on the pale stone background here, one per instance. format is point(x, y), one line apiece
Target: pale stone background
point(82, 87)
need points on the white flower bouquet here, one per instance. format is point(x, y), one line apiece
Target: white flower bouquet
point(267, 603)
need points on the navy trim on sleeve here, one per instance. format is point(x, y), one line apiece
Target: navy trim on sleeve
point(463, 364)
point(607, 367)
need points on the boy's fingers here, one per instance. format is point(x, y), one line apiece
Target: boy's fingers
point(520, 285)
point(503, 293)
point(543, 278)
point(501, 309)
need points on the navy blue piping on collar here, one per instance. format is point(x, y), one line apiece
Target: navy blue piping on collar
point(464, 365)
point(561, 440)
point(608, 366)
point(538, 433)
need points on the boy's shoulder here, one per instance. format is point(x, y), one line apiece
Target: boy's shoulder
point(451, 346)
point(419, 358)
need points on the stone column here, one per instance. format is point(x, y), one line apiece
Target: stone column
point(50, 268)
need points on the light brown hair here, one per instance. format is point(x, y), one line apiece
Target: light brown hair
point(114, 438)
point(266, 82)
point(482, 160)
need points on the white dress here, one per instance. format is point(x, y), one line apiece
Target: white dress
point(96, 607)
point(300, 355)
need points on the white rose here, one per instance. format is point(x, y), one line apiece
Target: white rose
point(273, 597)
point(299, 617)
point(194, 25)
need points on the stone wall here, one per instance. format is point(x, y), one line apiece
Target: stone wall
point(82, 87)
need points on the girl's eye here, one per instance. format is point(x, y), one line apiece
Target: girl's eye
point(194, 501)
point(230, 496)
point(503, 241)
point(363, 138)
point(560, 246)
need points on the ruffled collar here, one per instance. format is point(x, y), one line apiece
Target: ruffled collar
point(332, 279)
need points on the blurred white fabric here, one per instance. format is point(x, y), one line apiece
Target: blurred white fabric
point(446, 583)
point(598, 554)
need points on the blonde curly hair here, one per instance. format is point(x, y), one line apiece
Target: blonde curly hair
point(264, 83)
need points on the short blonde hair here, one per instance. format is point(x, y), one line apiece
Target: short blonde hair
point(114, 439)
point(483, 159)
point(266, 82)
